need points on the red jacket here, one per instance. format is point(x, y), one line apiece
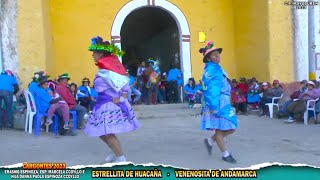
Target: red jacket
point(66, 94)
point(243, 88)
point(238, 99)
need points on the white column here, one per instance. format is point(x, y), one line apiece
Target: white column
point(185, 60)
point(9, 35)
point(1, 18)
point(300, 25)
point(317, 33)
point(311, 42)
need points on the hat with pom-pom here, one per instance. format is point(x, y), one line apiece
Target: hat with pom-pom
point(208, 49)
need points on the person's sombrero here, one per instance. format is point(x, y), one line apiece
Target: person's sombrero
point(208, 49)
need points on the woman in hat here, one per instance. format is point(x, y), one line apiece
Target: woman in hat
point(84, 93)
point(112, 113)
point(218, 113)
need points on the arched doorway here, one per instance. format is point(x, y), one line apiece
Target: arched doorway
point(150, 32)
point(183, 36)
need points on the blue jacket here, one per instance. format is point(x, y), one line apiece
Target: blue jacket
point(214, 86)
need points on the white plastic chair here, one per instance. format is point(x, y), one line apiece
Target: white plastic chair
point(310, 108)
point(31, 111)
point(273, 103)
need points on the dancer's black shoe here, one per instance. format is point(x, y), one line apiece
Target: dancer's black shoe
point(229, 159)
point(208, 146)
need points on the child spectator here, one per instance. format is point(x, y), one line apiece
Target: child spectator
point(239, 102)
point(253, 95)
point(74, 90)
point(234, 86)
point(61, 104)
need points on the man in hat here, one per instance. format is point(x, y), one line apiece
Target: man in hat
point(66, 94)
point(295, 95)
point(8, 87)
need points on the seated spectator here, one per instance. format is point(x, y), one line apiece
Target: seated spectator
point(8, 87)
point(294, 95)
point(74, 91)
point(270, 93)
point(243, 86)
point(191, 91)
point(239, 102)
point(65, 93)
point(49, 101)
point(84, 94)
point(297, 108)
point(35, 84)
point(133, 89)
point(234, 86)
point(162, 95)
point(253, 96)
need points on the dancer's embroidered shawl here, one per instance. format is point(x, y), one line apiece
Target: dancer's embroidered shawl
point(112, 72)
point(212, 81)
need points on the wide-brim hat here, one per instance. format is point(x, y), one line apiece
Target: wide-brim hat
point(97, 44)
point(43, 79)
point(234, 81)
point(64, 76)
point(253, 80)
point(208, 49)
point(242, 79)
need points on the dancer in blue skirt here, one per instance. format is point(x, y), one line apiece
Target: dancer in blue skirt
point(218, 114)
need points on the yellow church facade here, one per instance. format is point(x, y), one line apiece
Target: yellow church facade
point(256, 35)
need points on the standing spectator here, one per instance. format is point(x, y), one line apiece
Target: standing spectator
point(173, 77)
point(180, 86)
point(162, 94)
point(152, 84)
point(140, 80)
point(8, 87)
point(294, 95)
point(65, 93)
point(239, 102)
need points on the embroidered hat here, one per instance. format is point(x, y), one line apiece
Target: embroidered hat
point(63, 76)
point(242, 79)
point(304, 82)
point(97, 44)
point(264, 84)
point(208, 49)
